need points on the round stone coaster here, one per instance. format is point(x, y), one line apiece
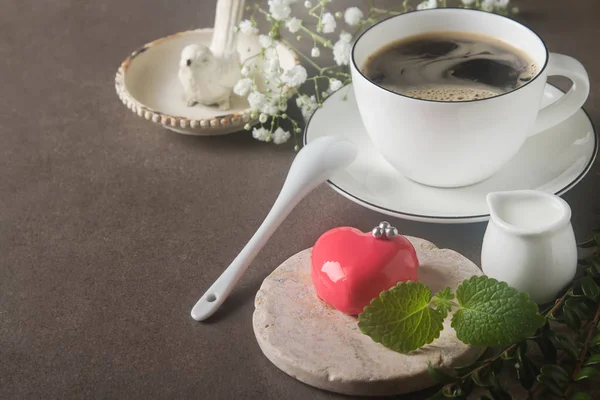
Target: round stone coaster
point(322, 347)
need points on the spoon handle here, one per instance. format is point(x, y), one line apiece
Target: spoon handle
point(313, 165)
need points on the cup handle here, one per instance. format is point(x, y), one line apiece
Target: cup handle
point(567, 105)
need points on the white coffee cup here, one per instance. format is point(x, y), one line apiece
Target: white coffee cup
point(452, 144)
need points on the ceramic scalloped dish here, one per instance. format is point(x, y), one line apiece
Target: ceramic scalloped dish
point(147, 83)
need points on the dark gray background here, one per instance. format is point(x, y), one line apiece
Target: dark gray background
point(111, 227)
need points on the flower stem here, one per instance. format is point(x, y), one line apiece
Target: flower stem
point(311, 12)
point(557, 304)
point(316, 37)
point(317, 94)
point(311, 62)
point(381, 11)
point(272, 124)
point(329, 70)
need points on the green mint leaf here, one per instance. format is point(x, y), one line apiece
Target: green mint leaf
point(526, 370)
point(580, 307)
point(554, 378)
point(443, 301)
point(571, 318)
point(556, 373)
point(493, 314)
point(595, 264)
point(593, 272)
point(585, 373)
point(595, 342)
point(590, 288)
point(567, 345)
point(593, 360)
point(401, 318)
point(551, 385)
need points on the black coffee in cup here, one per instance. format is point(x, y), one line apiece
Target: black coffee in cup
point(449, 66)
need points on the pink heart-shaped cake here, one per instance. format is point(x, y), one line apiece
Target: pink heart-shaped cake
point(350, 268)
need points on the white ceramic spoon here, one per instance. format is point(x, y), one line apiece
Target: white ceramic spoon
point(313, 165)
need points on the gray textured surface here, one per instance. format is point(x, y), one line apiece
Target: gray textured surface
point(321, 346)
point(111, 227)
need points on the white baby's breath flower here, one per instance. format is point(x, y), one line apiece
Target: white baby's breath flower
point(261, 134)
point(427, 4)
point(293, 24)
point(328, 22)
point(488, 5)
point(272, 67)
point(257, 100)
point(307, 105)
point(270, 107)
point(265, 41)
point(272, 101)
point(342, 48)
point(295, 76)
point(263, 103)
point(281, 136)
point(243, 87)
point(246, 27)
point(353, 15)
point(334, 85)
point(280, 9)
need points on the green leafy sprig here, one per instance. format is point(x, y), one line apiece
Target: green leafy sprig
point(553, 354)
point(557, 362)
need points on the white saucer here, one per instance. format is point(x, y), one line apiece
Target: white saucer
point(553, 161)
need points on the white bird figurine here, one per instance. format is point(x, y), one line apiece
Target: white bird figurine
point(206, 78)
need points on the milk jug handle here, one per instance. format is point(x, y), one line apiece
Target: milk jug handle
point(567, 105)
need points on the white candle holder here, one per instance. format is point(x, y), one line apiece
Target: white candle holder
point(147, 81)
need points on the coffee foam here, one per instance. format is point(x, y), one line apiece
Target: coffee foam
point(458, 93)
point(449, 93)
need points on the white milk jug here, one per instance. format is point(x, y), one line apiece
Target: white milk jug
point(529, 243)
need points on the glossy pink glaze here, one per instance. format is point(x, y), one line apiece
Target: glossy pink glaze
point(350, 268)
